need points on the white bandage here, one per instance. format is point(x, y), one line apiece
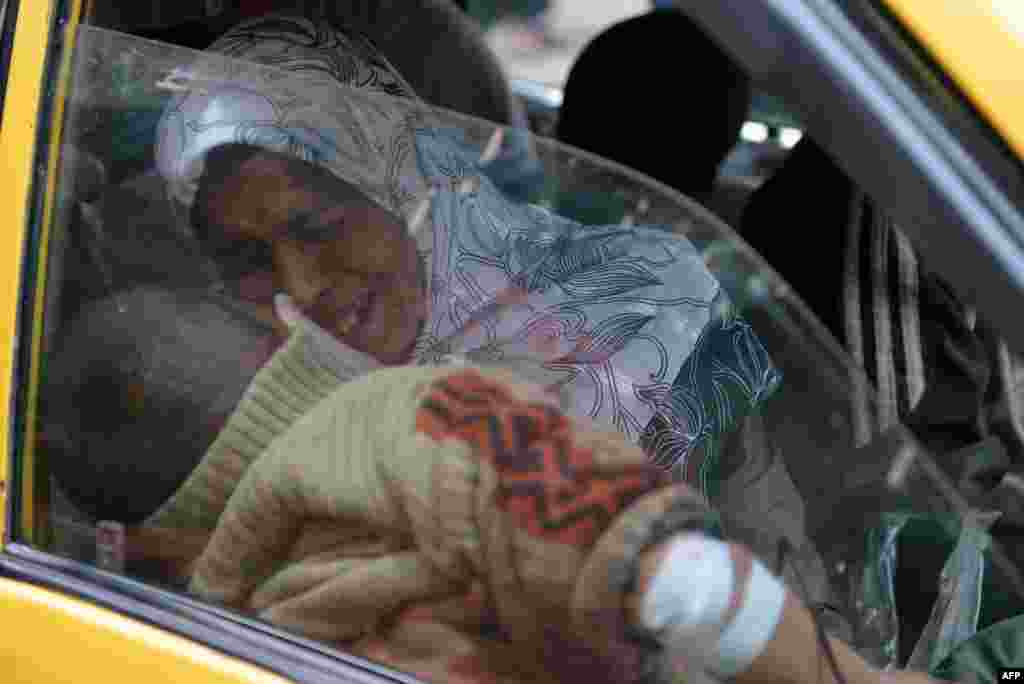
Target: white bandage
point(689, 596)
point(692, 586)
point(755, 622)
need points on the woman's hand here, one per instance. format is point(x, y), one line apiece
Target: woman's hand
point(792, 655)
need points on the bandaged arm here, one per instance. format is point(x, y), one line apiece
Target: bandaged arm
point(760, 633)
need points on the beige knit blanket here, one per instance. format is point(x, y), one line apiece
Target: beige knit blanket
point(450, 522)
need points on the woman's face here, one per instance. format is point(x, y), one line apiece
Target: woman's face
point(280, 224)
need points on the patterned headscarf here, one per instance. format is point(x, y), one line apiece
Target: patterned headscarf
point(626, 321)
point(280, 92)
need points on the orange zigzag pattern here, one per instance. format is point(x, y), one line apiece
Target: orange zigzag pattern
point(550, 487)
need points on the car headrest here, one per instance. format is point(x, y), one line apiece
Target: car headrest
point(439, 50)
point(802, 210)
point(433, 44)
point(655, 93)
point(158, 14)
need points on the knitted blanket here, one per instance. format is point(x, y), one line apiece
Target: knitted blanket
point(448, 521)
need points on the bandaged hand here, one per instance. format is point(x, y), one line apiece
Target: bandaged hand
point(714, 608)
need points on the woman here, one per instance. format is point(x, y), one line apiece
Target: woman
point(596, 311)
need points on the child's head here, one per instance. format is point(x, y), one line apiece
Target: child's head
point(138, 386)
point(274, 223)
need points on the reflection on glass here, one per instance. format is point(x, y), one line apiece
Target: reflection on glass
point(754, 132)
point(789, 137)
point(261, 240)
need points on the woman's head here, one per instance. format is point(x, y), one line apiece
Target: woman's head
point(286, 186)
point(274, 223)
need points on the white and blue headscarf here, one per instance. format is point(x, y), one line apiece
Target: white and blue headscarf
point(626, 320)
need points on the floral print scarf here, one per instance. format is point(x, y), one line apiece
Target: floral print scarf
point(625, 321)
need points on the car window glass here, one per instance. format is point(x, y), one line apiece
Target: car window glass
point(172, 285)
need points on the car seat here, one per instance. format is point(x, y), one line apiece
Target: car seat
point(934, 367)
point(917, 342)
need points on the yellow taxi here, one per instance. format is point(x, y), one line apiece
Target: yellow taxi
point(918, 102)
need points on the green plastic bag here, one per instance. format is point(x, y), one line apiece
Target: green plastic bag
point(955, 614)
point(876, 627)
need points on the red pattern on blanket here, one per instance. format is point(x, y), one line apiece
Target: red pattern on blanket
point(551, 486)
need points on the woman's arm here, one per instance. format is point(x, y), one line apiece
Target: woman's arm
point(792, 654)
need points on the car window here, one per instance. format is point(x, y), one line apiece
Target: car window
point(238, 245)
